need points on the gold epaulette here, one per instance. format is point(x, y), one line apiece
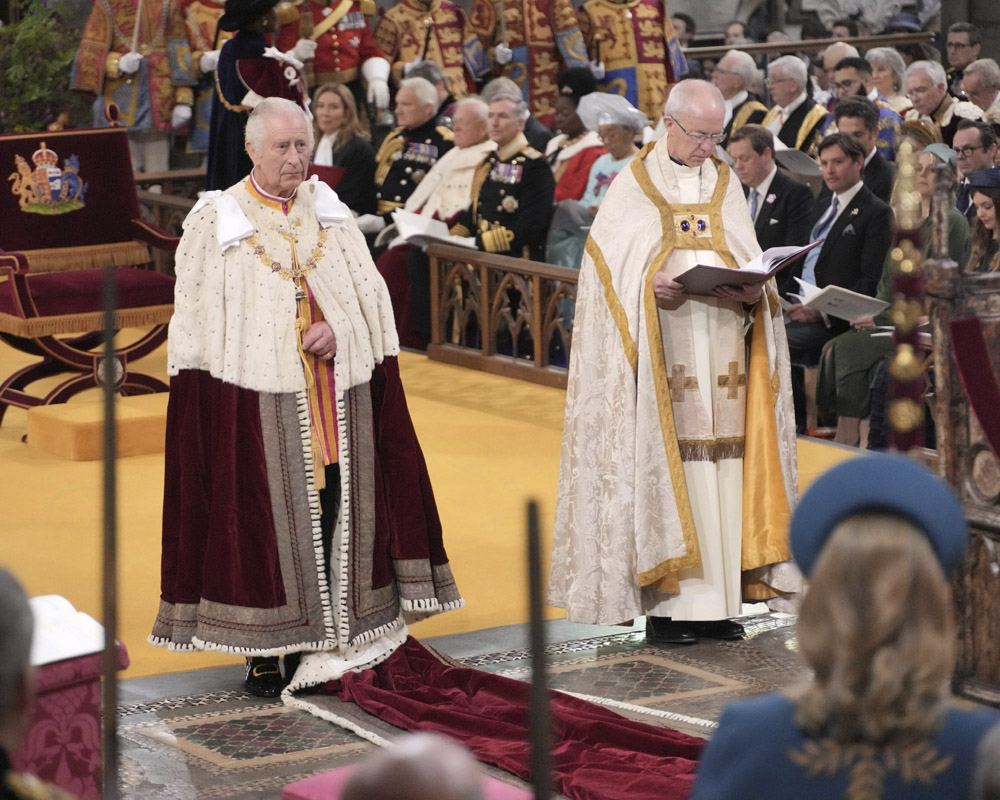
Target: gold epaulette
point(368, 8)
point(288, 11)
point(531, 152)
point(391, 145)
point(446, 133)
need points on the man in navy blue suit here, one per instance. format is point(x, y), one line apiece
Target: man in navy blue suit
point(856, 226)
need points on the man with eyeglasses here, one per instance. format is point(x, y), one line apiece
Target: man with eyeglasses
point(796, 119)
point(852, 77)
point(733, 76)
point(975, 144)
point(927, 88)
point(962, 47)
point(652, 505)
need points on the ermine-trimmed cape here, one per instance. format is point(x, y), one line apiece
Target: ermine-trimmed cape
point(243, 565)
point(623, 514)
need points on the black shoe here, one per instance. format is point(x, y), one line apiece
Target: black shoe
point(718, 629)
point(263, 677)
point(290, 663)
point(663, 630)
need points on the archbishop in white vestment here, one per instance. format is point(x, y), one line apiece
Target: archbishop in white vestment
point(678, 459)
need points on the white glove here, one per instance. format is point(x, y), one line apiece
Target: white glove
point(378, 94)
point(502, 54)
point(370, 223)
point(180, 117)
point(208, 61)
point(376, 71)
point(597, 70)
point(408, 68)
point(129, 63)
point(304, 50)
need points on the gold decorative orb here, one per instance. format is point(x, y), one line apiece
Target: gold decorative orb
point(905, 415)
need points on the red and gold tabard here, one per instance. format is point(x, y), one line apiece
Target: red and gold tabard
point(201, 17)
point(343, 39)
point(164, 77)
point(543, 34)
point(638, 47)
point(437, 31)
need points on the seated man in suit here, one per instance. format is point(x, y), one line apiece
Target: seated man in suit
point(781, 208)
point(975, 144)
point(852, 77)
point(856, 226)
point(859, 117)
point(796, 119)
point(733, 76)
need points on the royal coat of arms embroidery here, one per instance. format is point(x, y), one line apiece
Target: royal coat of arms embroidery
point(45, 188)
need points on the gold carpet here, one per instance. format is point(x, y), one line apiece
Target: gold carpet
point(491, 443)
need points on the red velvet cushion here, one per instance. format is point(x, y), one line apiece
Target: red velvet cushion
point(57, 293)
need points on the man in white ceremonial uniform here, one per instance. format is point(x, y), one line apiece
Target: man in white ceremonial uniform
point(678, 462)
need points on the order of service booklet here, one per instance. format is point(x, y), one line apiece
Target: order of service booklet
point(702, 279)
point(422, 231)
point(836, 301)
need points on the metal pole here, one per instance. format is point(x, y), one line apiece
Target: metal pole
point(538, 723)
point(109, 662)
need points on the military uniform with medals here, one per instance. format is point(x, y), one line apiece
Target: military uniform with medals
point(405, 157)
point(511, 202)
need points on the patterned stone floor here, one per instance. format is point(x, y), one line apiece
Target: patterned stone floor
point(199, 736)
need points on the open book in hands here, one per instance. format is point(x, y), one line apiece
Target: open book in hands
point(836, 301)
point(421, 231)
point(702, 279)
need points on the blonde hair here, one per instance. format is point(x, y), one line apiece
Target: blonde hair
point(877, 627)
point(351, 126)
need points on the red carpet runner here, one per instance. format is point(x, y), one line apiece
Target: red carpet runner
point(597, 754)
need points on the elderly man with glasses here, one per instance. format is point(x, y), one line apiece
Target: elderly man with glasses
point(653, 516)
point(796, 119)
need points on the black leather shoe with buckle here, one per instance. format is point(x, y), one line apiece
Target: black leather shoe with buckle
point(724, 629)
point(263, 677)
point(663, 630)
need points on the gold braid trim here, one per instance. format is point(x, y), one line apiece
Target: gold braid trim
point(614, 304)
point(225, 103)
point(392, 145)
point(667, 427)
point(748, 108)
point(814, 115)
point(482, 173)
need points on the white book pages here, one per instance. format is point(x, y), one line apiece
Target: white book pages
point(422, 231)
point(62, 632)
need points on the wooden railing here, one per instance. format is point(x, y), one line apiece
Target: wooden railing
point(508, 316)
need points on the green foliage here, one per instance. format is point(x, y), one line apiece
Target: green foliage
point(36, 56)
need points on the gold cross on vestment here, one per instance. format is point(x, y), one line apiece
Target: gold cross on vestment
point(678, 383)
point(733, 381)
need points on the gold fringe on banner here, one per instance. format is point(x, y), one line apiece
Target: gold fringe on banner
point(84, 323)
point(94, 256)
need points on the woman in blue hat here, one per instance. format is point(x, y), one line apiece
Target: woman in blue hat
point(877, 537)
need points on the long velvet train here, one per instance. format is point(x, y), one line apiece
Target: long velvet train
point(596, 753)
